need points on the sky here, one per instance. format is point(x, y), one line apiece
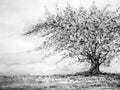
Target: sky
point(17, 16)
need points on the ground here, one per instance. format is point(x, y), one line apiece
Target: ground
point(60, 82)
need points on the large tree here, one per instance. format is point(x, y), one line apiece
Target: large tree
point(86, 35)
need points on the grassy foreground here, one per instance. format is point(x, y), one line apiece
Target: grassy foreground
point(60, 82)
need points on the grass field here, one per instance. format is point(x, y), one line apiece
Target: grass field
point(60, 82)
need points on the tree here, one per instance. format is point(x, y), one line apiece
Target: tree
point(87, 35)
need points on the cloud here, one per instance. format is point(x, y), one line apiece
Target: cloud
point(15, 43)
point(35, 68)
point(23, 63)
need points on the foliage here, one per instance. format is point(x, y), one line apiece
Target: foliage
point(91, 35)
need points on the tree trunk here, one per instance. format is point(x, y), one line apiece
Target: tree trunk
point(94, 68)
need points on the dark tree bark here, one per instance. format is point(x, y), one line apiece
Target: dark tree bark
point(94, 69)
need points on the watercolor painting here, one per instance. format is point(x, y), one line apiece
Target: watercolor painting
point(59, 45)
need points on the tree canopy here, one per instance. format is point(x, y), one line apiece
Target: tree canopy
point(91, 35)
